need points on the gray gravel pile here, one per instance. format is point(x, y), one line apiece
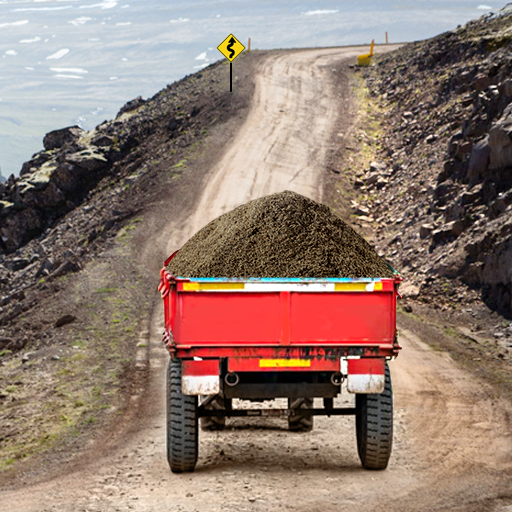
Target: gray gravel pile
point(281, 235)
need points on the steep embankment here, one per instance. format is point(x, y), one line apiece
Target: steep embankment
point(441, 195)
point(75, 293)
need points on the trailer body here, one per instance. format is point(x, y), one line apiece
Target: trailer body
point(264, 338)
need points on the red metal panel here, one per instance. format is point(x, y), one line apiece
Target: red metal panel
point(363, 322)
point(227, 318)
point(342, 317)
point(273, 317)
point(367, 366)
point(250, 364)
point(197, 368)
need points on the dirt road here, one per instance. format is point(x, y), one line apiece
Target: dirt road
point(453, 435)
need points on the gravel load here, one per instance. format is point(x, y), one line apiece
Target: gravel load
point(281, 235)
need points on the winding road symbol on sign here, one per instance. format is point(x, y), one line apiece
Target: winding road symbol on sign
point(231, 47)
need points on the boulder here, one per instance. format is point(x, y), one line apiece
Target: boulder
point(79, 169)
point(500, 141)
point(88, 159)
point(473, 195)
point(500, 204)
point(444, 191)
point(478, 161)
point(452, 168)
point(506, 88)
point(482, 82)
point(19, 264)
point(377, 167)
point(382, 182)
point(38, 189)
point(454, 143)
point(66, 177)
point(6, 208)
point(15, 229)
point(59, 138)
point(497, 274)
point(102, 140)
point(50, 197)
point(64, 320)
point(426, 230)
point(464, 149)
point(361, 210)
point(448, 232)
point(131, 105)
point(66, 267)
point(372, 178)
point(38, 160)
point(409, 290)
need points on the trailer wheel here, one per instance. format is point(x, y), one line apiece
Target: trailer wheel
point(374, 426)
point(182, 425)
point(213, 403)
point(298, 422)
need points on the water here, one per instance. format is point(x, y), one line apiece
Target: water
point(66, 62)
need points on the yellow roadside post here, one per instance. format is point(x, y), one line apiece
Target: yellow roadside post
point(366, 59)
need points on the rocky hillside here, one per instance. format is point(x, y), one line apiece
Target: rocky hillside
point(77, 285)
point(76, 194)
point(441, 194)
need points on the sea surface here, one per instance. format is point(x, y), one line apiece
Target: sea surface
point(67, 62)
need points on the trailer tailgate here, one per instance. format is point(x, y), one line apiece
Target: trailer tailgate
point(204, 312)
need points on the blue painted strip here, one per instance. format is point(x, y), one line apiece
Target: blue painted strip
point(281, 279)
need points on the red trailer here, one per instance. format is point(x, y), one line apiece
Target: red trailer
point(261, 339)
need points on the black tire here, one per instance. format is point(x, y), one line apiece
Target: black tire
point(215, 403)
point(374, 426)
point(298, 422)
point(182, 425)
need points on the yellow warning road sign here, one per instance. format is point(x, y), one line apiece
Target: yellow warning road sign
point(231, 47)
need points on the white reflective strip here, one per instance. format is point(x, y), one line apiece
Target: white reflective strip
point(200, 384)
point(370, 287)
point(291, 287)
point(362, 383)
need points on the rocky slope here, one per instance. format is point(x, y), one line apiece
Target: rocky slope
point(441, 194)
point(76, 288)
point(76, 194)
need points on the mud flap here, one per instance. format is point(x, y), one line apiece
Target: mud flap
point(200, 377)
point(366, 375)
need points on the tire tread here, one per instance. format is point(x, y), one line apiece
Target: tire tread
point(374, 426)
point(300, 422)
point(182, 424)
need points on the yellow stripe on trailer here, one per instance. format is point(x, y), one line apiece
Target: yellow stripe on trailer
point(285, 363)
point(358, 287)
point(192, 287)
point(222, 286)
point(350, 287)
